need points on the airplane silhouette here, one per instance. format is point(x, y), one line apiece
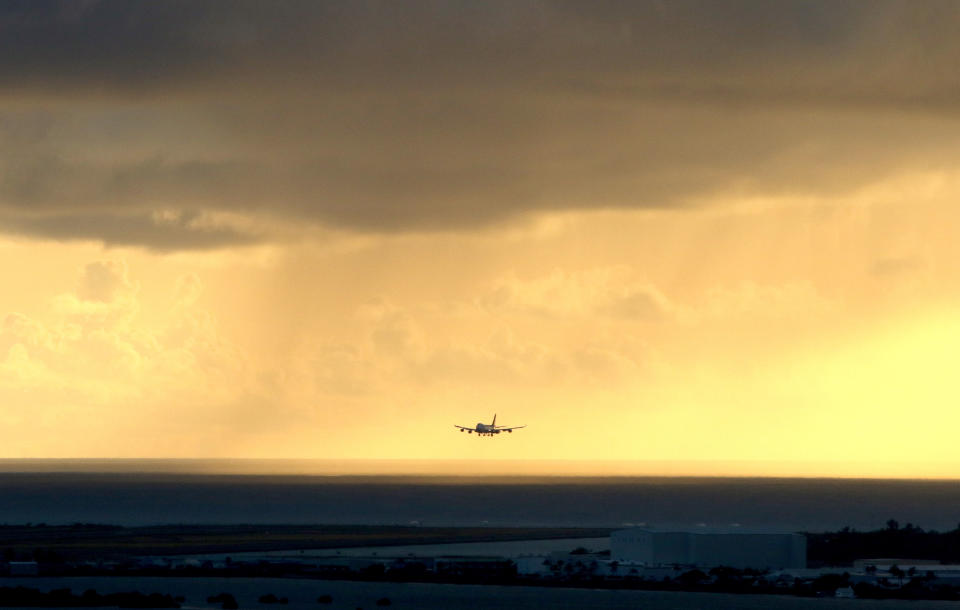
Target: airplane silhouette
point(488, 429)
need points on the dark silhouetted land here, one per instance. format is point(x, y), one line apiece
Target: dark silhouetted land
point(89, 541)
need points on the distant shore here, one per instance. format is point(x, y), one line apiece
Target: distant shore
point(86, 541)
point(90, 550)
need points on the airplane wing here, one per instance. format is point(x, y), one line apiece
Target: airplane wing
point(461, 427)
point(509, 429)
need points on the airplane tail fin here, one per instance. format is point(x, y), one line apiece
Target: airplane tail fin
point(494, 424)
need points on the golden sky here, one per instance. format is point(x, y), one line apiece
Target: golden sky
point(688, 233)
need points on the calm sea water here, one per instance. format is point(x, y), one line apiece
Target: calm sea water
point(511, 549)
point(303, 594)
point(159, 492)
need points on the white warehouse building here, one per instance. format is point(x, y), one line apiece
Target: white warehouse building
point(709, 549)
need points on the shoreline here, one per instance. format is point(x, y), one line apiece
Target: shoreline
point(91, 541)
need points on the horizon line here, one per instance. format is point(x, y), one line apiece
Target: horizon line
point(499, 467)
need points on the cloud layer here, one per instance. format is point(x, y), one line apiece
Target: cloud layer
point(182, 125)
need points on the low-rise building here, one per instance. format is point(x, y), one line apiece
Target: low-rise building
point(24, 568)
point(737, 549)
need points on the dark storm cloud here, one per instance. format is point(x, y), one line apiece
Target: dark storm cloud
point(436, 115)
point(895, 52)
point(126, 230)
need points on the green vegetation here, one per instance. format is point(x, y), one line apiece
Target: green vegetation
point(227, 601)
point(908, 542)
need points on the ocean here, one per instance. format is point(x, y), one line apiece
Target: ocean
point(149, 492)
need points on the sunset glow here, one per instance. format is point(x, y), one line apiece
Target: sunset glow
point(670, 239)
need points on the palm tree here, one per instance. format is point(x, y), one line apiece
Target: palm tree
point(896, 571)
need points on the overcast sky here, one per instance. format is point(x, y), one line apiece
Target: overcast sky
point(676, 231)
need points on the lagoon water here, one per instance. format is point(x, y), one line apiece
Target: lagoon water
point(511, 549)
point(302, 595)
point(144, 492)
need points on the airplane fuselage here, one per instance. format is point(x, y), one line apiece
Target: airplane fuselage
point(483, 429)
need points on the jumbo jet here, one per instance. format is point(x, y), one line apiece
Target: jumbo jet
point(488, 429)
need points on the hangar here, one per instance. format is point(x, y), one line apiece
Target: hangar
point(736, 549)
